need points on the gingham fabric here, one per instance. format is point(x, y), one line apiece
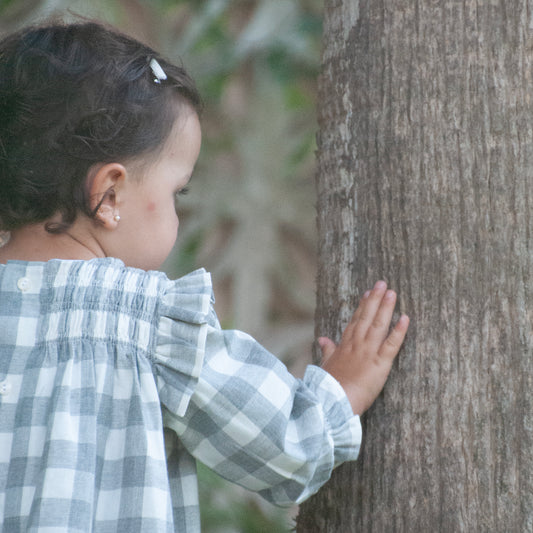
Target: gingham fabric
point(96, 358)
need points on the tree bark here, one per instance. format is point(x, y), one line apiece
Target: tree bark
point(425, 172)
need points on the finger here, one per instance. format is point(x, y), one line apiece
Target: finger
point(392, 344)
point(327, 347)
point(348, 331)
point(380, 325)
point(370, 306)
point(359, 309)
point(365, 311)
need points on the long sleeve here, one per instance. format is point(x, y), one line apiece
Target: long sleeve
point(252, 422)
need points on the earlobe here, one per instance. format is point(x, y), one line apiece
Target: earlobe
point(105, 187)
point(107, 216)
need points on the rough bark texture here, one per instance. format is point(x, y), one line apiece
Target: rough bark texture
point(425, 179)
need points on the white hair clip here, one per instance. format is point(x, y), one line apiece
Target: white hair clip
point(157, 71)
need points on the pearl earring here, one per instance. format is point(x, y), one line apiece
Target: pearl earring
point(116, 218)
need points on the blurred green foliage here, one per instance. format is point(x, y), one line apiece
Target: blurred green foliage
point(228, 509)
point(249, 218)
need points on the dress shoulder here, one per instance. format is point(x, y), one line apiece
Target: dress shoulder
point(185, 311)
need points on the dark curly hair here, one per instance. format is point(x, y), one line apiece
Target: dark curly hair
point(71, 96)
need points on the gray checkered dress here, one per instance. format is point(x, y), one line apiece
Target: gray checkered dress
point(97, 359)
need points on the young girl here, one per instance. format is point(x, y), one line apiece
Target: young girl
point(99, 352)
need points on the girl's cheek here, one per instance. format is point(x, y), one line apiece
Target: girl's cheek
point(150, 206)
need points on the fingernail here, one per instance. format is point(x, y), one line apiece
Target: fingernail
point(390, 295)
point(380, 285)
point(366, 294)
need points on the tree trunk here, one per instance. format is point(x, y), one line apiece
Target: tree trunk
point(425, 156)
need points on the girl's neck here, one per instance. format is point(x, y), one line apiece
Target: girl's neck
point(34, 243)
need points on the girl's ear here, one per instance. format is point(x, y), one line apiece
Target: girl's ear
point(105, 187)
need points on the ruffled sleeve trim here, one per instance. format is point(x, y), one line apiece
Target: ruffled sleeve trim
point(185, 311)
point(345, 427)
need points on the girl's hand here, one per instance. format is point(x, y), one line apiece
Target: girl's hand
point(362, 361)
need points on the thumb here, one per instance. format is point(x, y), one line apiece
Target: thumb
point(327, 346)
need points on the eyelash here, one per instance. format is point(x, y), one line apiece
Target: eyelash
point(181, 192)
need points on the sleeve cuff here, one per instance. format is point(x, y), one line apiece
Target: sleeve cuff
point(345, 427)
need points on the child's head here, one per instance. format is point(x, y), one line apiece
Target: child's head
point(72, 97)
